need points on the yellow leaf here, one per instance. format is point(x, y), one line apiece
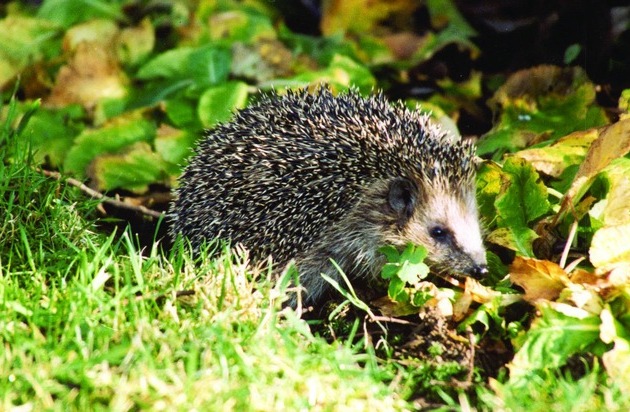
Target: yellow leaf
point(360, 16)
point(617, 364)
point(541, 279)
point(612, 142)
point(616, 211)
point(610, 248)
point(567, 151)
point(503, 237)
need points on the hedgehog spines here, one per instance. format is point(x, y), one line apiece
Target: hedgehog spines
point(294, 175)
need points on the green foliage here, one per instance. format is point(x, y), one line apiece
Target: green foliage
point(218, 104)
point(403, 269)
point(591, 392)
point(89, 322)
point(108, 139)
point(535, 106)
point(515, 197)
point(195, 67)
point(521, 203)
point(53, 132)
point(24, 40)
point(64, 12)
point(551, 340)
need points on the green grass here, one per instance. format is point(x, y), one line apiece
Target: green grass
point(101, 326)
point(88, 321)
point(558, 392)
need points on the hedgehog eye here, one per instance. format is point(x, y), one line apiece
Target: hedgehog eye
point(440, 234)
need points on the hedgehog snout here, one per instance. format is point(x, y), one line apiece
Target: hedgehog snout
point(478, 271)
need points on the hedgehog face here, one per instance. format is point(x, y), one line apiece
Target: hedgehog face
point(444, 221)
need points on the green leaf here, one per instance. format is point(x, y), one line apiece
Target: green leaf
point(23, 42)
point(541, 104)
point(391, 253)
point(134, 169)
point(526, 192)
point(51, 133)
point(202, 66)
point(174, 146)
point(552, 339)
point(571, 53)
point(407, 266)
point(183, 113)
point(523, 201)
point(240, 26)
point(218, 104)
point(490, 180)
point(66, 12)
point(413, 268)
point(109, 139)
point(342, 73)
point(396, 290)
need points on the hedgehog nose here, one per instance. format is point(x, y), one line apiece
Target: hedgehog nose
point(478, 271)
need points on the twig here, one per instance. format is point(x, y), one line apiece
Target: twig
point(389, 319)
point(98, 195)
point(471, 365)
point(567, 246)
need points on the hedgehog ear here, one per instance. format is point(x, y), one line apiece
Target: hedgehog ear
point(402, 197)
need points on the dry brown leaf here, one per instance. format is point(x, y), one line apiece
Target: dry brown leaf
point(91, 75)
point(403, 45)
point(541, 279)
point(462, 305)
point(544, 79)
point(339, 16)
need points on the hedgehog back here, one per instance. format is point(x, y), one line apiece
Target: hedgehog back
point(287, 168)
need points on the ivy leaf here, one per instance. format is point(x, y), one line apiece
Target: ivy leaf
point(523, 201)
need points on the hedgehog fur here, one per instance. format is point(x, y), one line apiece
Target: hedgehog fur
point(316, 177)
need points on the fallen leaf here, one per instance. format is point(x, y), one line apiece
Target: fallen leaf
point(541, 279)
point(617, 364)
point(610, 248)
point(612, 142)
point(92, 74)
point(360, 16)
point(570, 150)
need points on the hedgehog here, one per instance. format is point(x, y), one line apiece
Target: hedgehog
point(312, 178)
